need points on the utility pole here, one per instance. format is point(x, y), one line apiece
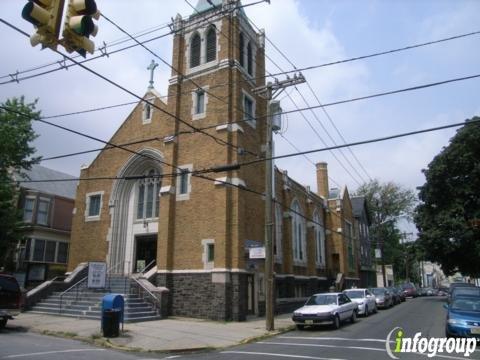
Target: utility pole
point(269, 92)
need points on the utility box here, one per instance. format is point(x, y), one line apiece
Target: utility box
point(276, 114)
point(113, 307)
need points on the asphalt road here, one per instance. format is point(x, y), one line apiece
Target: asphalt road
point(364, 339)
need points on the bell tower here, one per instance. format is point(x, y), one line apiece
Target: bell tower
point(205, 222)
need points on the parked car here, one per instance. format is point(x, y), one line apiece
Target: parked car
point(409, 290)
point(10, 299)
point(326, 308)
point(395, 295)
point(442, 291)
point(365, 300)
point(463, 317)
point(464, 291)
point(454, 286)
point(401, 294)
point(383, 298)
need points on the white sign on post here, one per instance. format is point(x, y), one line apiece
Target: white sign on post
point(257, 252)
point(378, 253)
point(97, 274)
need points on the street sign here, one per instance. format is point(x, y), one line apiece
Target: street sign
point(97, 275)
point(257, 252)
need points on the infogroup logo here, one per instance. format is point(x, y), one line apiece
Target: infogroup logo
point(429, 346)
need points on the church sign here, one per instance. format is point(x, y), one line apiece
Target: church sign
point(97, 274)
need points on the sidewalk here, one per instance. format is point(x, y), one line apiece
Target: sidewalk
point(169, 335)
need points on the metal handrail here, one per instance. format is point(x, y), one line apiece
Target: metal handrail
point(147, 266)
point(69, 289)
point(157, 300)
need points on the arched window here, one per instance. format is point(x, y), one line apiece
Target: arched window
point(211, 44)
point(298, 233)
point(277, 245)
point(195, 46)
point(249, 59)
point(147, 196)
point(241, 46)
point(319, 230)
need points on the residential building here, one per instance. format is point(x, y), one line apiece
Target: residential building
point(47, 215)
point(341, 240)
point(361, 224)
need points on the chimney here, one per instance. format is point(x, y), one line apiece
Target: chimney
point(322, 179)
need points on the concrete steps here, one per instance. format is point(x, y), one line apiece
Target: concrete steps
point(87, 303)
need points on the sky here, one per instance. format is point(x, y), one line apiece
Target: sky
point(308, 32)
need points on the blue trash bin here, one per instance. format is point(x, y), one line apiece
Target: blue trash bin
point(113, 306)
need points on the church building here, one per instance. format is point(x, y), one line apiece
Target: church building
point(174, 202)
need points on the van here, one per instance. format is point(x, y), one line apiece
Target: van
point(10, 299)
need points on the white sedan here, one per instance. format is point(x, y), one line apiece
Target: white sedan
point(326, 308)
point(365, 300)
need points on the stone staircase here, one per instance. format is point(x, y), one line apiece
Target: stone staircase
point(87, 303)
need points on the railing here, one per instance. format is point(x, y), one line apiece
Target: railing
point(143, 290)
point(76, 286)
point(148, 266)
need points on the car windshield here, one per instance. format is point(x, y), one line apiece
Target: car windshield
point(467, 291)
point(355, 294)
point(378, 291)
point(322, 300)
point(470, 304)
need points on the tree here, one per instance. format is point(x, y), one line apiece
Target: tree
point(16, 154)
point(387, 203)
point(449, 212)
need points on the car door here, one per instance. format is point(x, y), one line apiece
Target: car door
point(345, 305)
point(370, 299)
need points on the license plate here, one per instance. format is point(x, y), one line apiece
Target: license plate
point(310, 322)
point(475, 330)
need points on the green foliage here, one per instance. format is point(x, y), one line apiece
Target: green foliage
point(386, 204)
point(448, 217)
point(16, 134)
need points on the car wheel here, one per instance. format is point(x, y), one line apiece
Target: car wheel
point(353, 318)
point(300, 327)
point(3, 322)
point(336, 322)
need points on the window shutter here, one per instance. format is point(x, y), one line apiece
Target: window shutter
point(195, 51)
point(211, 45)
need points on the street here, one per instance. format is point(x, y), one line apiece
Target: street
point(363, 339)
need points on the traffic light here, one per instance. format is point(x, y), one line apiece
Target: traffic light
point(79, 26)
point(46, 16)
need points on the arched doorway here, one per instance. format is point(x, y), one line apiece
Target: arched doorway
point(135, 209)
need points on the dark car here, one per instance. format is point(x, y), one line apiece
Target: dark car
point(10, 298)
point(383, 298)
point(401, 294)
point(463, 317)
point(395, 295)
point(409, 290)
point(456, 285)
point(464, 291)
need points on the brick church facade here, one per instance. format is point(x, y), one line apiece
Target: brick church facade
point(196, 231)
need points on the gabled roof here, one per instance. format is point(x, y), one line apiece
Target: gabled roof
point(359, 205)
point(65, 189)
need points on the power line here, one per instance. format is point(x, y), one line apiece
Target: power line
point(385, 138)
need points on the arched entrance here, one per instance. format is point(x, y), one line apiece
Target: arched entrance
point(134, 208)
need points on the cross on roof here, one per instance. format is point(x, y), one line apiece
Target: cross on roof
point(151, 67)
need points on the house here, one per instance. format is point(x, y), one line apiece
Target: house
point(174, 205)
point(366, 264)
point(47, 215)
point(341, 240)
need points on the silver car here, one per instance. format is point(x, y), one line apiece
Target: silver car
point(326, 308)
point(365, 300)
